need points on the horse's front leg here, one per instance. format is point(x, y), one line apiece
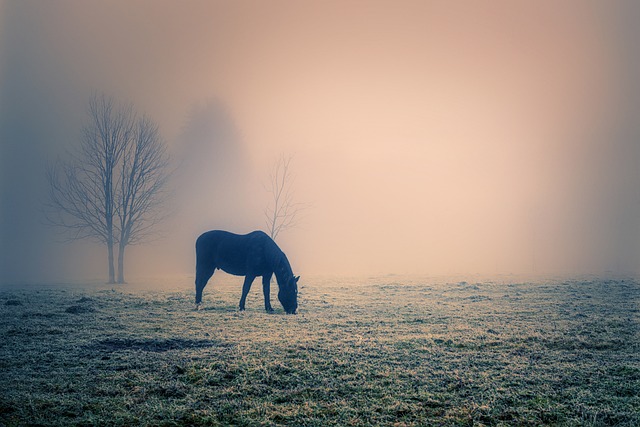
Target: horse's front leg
point(266, 290)
point(248, 280)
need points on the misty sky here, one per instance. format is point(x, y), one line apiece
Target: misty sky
point(430, 137)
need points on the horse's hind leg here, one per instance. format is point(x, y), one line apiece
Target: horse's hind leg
point(204, 272)
point(248, 280)
point(266, 290)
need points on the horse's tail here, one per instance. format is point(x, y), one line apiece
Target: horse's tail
point(205, 262)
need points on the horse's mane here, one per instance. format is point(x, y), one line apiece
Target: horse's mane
point(280, 262)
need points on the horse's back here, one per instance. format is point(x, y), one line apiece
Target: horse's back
point(235, 253)
point(209, 241)
point(215, 237)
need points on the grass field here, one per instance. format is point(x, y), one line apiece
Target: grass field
point(374, 351)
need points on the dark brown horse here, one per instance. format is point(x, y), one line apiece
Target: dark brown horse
point(250, 255)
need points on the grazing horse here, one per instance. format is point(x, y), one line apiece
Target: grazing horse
point(250, 255)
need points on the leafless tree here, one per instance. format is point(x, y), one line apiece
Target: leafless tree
point(108, 190)
point(82, 190)
point(283, 212)
point(143, 176)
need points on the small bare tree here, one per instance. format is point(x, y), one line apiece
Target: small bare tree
point(109, 189)
point(283, 212)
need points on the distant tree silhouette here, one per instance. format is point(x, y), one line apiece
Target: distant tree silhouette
point(110, 189)
point(212, 183)
point(282, 212)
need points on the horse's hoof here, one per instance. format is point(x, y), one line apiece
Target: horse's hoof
point(198, 307)
point(270, 310)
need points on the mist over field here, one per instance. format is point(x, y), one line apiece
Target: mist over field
point(426, 137)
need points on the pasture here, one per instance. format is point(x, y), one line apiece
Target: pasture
point(397, 351)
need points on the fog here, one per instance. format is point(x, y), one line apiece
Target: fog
point(427, 137)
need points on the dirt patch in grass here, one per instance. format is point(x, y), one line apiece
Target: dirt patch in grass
point(36, 314)
point(150, 344)
point(79, 309)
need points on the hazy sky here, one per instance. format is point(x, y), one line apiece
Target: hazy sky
point(428, 136)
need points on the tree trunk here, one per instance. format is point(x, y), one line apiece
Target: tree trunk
point(112, 273)
point(121, 263)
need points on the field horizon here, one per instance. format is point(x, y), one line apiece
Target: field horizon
point(384, 350)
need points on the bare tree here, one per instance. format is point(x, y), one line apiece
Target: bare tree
point(283, 212)
point(143, 177)
point(109, 188)
point(82, 190)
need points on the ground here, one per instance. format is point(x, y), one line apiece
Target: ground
point(362, 351)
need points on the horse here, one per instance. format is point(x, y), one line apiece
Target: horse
point(250, 255)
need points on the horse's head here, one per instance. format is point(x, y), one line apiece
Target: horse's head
point(288, 294)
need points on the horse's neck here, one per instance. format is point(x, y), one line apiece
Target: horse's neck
point(282, 268)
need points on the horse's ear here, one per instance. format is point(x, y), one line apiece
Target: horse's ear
point(297, 278)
